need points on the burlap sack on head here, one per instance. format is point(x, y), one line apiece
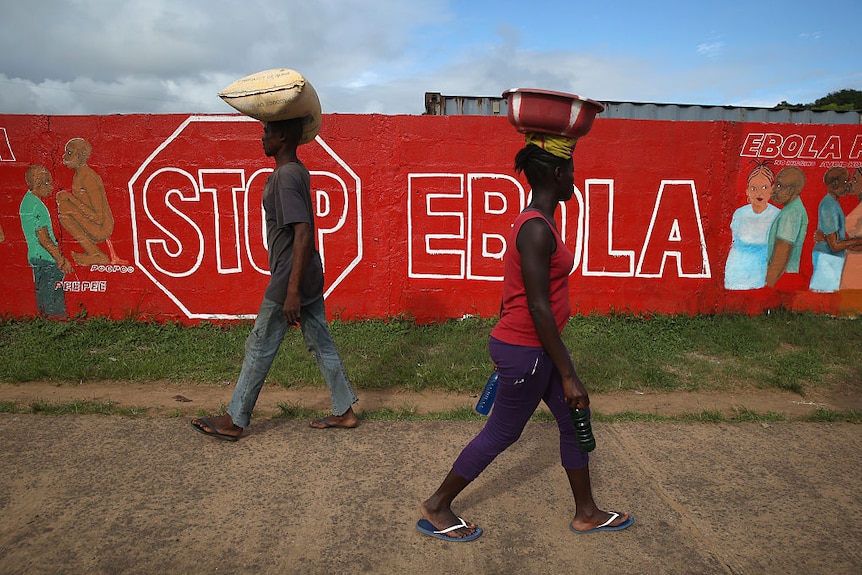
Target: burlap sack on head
point(278, 94)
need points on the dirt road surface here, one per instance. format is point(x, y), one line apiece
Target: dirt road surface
point(109, 494)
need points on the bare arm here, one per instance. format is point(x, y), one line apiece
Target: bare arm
point(778, 262)
point(87, 197)
point(301, 252)
point(535, 243)
point(53, 249)
point(837, 245)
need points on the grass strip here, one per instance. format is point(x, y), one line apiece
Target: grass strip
point(797, 352)
point(410, 413)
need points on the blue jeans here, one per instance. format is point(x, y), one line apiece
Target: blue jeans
point(262, 344)
point(50, 301)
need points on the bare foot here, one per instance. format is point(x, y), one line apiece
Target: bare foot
point(347, 420)
point(444, 518)
point(221, 427)
point(601, 521)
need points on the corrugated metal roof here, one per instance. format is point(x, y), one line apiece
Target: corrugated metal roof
point(437, 104)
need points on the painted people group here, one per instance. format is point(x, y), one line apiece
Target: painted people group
point(767, 240)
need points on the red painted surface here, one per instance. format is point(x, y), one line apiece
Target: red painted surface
point(411, 210)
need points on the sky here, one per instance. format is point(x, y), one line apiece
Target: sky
point(382, 56)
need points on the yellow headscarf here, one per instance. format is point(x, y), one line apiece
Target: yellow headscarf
point(560, 146)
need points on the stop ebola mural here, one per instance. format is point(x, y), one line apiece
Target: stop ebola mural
point(160, 217)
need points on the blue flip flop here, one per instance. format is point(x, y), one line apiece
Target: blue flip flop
point(427, 528)
point(606, 526)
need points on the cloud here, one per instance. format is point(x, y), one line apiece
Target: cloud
point(711, 49)
point(159, 55)
point(370, 56)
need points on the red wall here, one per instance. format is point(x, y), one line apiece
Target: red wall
point(410, 212)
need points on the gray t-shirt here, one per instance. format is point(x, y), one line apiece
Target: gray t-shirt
point(287, 201)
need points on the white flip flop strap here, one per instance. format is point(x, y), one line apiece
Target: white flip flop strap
point(453, 528)
point(613, 517)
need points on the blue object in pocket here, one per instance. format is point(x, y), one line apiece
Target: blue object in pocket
point(486, 400)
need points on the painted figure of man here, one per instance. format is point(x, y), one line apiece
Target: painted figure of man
point(48, 262)
point(851, 245)
point(851, 278)
point(788, 229)
point(84, 211)
point(828, 256)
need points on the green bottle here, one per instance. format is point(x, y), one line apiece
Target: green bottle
point(583, 429)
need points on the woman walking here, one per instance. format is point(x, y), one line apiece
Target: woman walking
point(532, 361)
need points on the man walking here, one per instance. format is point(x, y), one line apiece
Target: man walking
point(294, 294)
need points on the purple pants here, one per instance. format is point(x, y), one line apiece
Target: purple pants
point(526, 376)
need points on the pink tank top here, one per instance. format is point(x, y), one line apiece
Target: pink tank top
point(516, 325)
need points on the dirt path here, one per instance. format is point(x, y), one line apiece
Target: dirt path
point(88, 494)
point(95, 495)
point(169, 399)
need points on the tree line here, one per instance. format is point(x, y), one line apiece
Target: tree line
point(841, 101)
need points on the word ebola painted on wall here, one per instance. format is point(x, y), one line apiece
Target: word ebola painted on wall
point(799, 146)
point(160, 216)
point(445, 246)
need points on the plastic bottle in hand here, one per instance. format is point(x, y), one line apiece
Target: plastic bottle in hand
point(486, 400)
point(583, 429)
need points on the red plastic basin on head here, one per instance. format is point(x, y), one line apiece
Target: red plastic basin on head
point(568, 115)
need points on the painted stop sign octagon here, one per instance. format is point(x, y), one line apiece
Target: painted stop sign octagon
point(198, 223)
